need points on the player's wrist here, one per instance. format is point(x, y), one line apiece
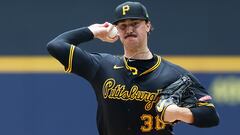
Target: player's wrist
point(92, 29)
point(184, 114)
point(171, 113)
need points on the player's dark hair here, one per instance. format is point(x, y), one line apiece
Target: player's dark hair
point(151, 29)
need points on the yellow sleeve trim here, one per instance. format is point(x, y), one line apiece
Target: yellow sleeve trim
point(70, 58)
point(205, 104)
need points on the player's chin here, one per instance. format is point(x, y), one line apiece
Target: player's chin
point(131, 42)
point(131, 39)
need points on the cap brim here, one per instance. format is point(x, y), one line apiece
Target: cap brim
point(125, 18)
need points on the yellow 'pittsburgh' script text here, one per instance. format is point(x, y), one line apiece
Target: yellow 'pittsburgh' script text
point(111, 90)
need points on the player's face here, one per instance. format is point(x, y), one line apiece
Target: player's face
point(133, 32)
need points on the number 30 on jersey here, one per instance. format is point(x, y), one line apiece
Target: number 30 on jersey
point(151, 123)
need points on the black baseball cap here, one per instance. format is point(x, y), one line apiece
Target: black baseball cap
point(130, 10)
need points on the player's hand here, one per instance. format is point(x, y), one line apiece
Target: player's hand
point(170, 113)
point(101, 31)
point(166, 109)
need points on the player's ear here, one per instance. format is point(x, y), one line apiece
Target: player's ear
point(148, 26)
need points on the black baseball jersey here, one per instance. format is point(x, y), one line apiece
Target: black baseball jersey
point(126, 90)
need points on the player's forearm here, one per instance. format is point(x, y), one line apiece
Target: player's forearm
point(202, 116)
point(185, 115)
point(74, 37)
point(60, 46)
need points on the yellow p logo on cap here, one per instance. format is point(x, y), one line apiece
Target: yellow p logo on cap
point(125, 9)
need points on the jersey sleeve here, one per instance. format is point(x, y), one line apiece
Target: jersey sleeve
point(203, 97)
point(204, 114)
point(83, 63)
point(75, 60)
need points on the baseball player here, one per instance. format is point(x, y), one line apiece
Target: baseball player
point(139, 93)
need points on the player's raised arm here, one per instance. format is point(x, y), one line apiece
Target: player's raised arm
point(62, 46)
point(65, 48)
point(59, 47)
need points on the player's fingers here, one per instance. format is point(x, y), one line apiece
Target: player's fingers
point(110, 27)
point(106, 24)
point(114, 39)
point(110, 40)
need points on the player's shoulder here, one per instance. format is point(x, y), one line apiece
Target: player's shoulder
point(103, 55)
point(108, 58)
point(179, 71)
point(174, 67)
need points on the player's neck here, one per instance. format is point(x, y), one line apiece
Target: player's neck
point(138, 53)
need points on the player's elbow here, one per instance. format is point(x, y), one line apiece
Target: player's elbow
point(53, 46)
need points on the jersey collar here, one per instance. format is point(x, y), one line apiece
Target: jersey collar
point(134, 70)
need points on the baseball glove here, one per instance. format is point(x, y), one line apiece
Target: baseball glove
point(179, 93)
